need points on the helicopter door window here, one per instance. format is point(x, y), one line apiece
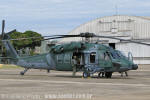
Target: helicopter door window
point(60, 58)
point(107, 56)
point(67, 58)
point(92, 57)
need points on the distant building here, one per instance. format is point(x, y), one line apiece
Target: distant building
point(135, 28)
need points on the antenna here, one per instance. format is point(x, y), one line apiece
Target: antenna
point(116, 8)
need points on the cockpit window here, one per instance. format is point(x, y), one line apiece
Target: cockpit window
point(92, 57)
point(121, 54)
point(117, 54)
point(105, 56)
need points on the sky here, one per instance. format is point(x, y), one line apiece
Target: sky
point(50, 17)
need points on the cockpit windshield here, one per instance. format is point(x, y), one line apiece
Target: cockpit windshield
point(117, 54)
point(121, 54)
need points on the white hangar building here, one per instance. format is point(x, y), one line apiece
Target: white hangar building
point(135, 28)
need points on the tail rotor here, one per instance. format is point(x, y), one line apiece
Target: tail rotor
point(5, 41)
point(2, 36)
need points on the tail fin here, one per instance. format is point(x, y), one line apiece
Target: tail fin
point(11, 52)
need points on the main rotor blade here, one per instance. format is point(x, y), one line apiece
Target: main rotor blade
point(55, 38)
point(86, 35)
point(25, 38)
point(63, 36)
point(93, 35)
point(122, 40)
point(32, 38)
point(51, 37)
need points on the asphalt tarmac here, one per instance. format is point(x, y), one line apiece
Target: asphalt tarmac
point(56, 85)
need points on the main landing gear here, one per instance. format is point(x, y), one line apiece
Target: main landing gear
point(48, 71)
point(100, 75)
point(105, 74)
point(126, 74)
point(23, 72)
point(108, 74)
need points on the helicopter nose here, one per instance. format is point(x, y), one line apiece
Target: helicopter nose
point(134, 67)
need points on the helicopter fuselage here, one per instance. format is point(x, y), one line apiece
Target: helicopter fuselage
point(89, 57)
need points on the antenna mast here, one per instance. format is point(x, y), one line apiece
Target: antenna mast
point(116, 8)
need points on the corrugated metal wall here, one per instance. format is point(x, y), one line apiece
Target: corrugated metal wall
point(133, 26)
point(141, 53)
point(140, 30)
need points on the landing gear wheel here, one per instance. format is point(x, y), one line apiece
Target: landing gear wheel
point(21, 73)
point(101, 74)
point(85, 74)
point(108, 74)
point(48, 71)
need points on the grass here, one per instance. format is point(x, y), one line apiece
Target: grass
point(6, 66)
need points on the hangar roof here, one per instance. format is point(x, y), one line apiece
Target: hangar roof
point(134, 27)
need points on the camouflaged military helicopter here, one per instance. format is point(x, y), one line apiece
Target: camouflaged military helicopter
point(85, 56)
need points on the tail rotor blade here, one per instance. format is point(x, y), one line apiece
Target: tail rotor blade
point(3, 26)
point(2, 36)
point(11, 31)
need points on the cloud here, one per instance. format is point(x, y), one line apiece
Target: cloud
point(61, 16)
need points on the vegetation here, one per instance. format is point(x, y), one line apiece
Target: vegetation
point(31, 43)
point(21, 44)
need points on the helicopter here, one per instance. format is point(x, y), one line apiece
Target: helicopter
point(90, 58)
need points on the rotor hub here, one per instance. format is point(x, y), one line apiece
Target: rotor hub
point(87, 35)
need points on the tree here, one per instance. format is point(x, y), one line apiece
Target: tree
point(31, 42)
point(34, 41)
